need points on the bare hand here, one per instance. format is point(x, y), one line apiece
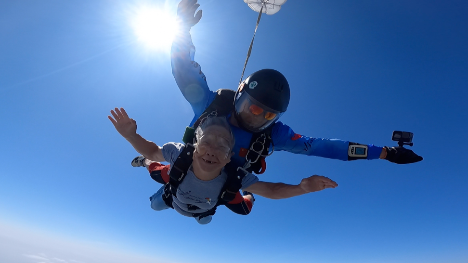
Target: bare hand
point(186, 12)
point(123, 124)
point(317, 183)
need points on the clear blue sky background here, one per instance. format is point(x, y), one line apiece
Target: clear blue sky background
point(357, 69)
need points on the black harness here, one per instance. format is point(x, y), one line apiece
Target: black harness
point(222, 105)
point(179, 171)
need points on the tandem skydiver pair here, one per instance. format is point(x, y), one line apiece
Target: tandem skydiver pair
point(251, 114)
point(198, 181)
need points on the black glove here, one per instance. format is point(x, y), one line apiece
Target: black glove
point(186, 13)
point(401, 155)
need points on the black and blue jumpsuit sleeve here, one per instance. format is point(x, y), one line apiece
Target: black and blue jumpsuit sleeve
point(285, 139)
point(188, 74)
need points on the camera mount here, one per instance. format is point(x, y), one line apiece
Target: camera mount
point(403, 138)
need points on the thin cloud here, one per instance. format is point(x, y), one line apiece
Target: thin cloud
point(23, 245)
point(43, 258)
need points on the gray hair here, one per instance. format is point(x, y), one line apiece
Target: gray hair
point(215, 121)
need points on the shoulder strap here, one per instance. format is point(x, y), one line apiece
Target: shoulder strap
point(222, 105)
point(223, 102)
point(233, 183)
point(180, 167)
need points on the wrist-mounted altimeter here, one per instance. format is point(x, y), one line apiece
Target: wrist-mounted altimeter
point(357, 151)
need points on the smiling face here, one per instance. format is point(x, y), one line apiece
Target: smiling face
point(212, 151)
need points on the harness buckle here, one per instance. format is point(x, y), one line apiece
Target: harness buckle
point(257, 147)
point(243, 170)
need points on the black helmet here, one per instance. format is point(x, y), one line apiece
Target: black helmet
point(265, 93)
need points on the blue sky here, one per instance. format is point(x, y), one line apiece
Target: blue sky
point(357, 69)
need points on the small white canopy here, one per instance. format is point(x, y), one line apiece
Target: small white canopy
point(270, 7)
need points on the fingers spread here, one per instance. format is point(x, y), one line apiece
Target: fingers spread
point(191, 10)
point(116, 116)
point(124, 113)
point(119, 113)
point(112, 120)
point(198, 16)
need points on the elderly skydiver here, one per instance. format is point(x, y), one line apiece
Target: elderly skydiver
point(202, 182)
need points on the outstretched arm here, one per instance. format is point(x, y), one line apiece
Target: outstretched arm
point(285, 139)
point(280, 190)
point(187, 73)
point(127, 128)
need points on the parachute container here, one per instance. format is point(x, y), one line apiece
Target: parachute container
point(270, 7)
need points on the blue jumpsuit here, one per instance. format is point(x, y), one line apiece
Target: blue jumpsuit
point(192, 83)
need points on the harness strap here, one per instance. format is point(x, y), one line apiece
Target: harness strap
point(260, 143)
point(179, 171)
point(180, 168)
point(229, 191)
point(210, 212)
point(222, 105)
point(233, 183)
point(167, 195)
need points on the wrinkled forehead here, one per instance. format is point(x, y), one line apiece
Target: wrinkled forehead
point(217, 131)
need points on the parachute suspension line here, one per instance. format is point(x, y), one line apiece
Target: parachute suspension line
point(251, 43)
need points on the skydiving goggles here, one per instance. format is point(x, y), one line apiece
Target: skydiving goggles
point(247, 104)
point(257, 108)
point(219, 145)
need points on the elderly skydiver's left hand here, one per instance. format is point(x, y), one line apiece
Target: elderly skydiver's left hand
point(317, 183)
point(186, 13)
point(401, 155)
point(125, 125)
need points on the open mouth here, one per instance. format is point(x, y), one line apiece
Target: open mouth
point(207, 161)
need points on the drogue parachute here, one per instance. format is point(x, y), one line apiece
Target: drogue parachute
point(269, 7)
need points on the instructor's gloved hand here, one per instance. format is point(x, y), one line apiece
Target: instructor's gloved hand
point(186, 13)
point(401, 155)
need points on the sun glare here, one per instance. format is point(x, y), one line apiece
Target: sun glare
point(154, 27)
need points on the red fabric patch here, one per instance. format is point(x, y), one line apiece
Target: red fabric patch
point(243, 152)
point(238, 199)
point(163, 168)
point(296, 137)
point(263, 163)
point(248, 203)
